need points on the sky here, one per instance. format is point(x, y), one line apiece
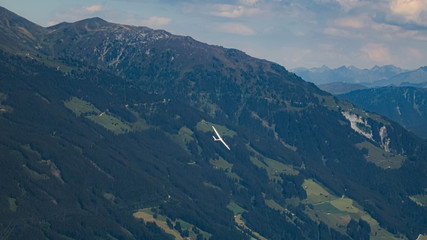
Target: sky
point(293, 33)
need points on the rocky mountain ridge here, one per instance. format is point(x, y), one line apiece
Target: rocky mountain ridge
point(374, 77)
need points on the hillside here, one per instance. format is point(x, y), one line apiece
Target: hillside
point(340, 87)
point(405, 105)
point(415, 78)
point(106, 134)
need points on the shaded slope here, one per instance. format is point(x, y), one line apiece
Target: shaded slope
point(340, 87)
point(19, 35)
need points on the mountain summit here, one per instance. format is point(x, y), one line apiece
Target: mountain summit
point(107, 133)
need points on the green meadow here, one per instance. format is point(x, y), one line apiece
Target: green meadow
point(380, 157)
point(82, 108)
point(336, 212)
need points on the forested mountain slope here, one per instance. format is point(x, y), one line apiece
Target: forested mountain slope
point(106, 128)
point(405, 105)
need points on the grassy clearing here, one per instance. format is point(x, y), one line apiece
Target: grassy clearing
point(225, 166)
point(222, 164)
point(380, 157)
point(161, 221)
point(315, 193)
point(421, 200)
point(82, 108)
point(30, 152)
point(79, 106)
point(12, 204)
point(52, 166)
point(184, 137)
point(149, 218)
point(53, 169)
point(207, 184)
point(345, 205)
point(241, 225)
point(337, 212)
point(274, 168)
point(110, 122)
point(235, 208)
point(110, 197)
point(35, 175)
point(328, 101)
point(205, 126)
point(140, 124)
point(273, 205)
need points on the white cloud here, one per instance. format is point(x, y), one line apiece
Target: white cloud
point(377, 53)
point(232, 11)
point(235, 28)
point(350, 22)
point(350, 4)
point(155, 22)
point(410, 9)
point(248, 2)
point(350, 27)
point(94, 8)
point(336, 32)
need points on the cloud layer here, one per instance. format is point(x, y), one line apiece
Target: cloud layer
point(156, 22)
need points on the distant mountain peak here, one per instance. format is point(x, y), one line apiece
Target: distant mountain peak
point(94, 20)
point(376, 76)
point(10, 19)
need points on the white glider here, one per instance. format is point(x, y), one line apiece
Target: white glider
point(219, 138)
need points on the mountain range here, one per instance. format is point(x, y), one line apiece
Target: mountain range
point(107, 134)
point(374, 77)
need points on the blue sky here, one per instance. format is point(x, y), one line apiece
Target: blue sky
point(293, 33)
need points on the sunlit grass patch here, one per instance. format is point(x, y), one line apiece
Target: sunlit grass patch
point(336, 212)
point(328, 101)
point(184, 137)
point(225, 166)
point(220, 163)
point(273, 167)
point(345, 204)
point(235, 208)
point(82, 108)
point(273, 205)
point(380, 157)
point(205, 126)
point(161, 221)
point(421, 200)
point(110, 122)
point(79, 106)
point(241, 225)
point(110, 197)
point(12, 204)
